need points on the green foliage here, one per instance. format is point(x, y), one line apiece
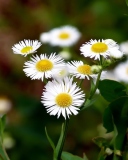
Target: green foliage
point(88, 103)
point(111, 90)
point(69, 156)
point(2, 126)
point(49, 139)
point(3, 155)
point(101, 142)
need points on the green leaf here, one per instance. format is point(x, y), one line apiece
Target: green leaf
point(49, 139)
point(69, 156)
point(108, 120)
point(88, 103)
point(2, 126)
point(58, 146)
point(100, 141)
point(119, 110)
point(111, 90)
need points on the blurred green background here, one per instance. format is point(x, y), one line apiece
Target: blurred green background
point(27, 19)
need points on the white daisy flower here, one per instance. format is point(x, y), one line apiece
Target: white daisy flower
point(124, 47)
point(43, 66)
point(121, 72)
point(95, 49)
point(63, 36)
point(62, 97)
point(80, 70)
point(26, 47)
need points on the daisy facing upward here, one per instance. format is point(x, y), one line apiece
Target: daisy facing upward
point(81, 70)
point(43, 66)
point(26, 47)
point(62, 97)
point(96, 48)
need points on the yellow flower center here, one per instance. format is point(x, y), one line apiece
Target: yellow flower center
point(63, 100)
point(26, 49)
point(99, 47)
point(44, 65)
point(64, 35)
point(84, 69)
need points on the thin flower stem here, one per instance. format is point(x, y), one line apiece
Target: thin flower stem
point(96, 86)
point(81, 82)
point(63, 139)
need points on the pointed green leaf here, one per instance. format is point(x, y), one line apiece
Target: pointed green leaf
point(60, 141)
point(69, 156)
point(111, 90)
point(49, 139)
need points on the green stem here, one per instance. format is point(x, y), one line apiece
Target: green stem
point(96, 86)
point(81, 82)
point(63, 139)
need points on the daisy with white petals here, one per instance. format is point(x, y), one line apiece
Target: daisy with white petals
point(80, 70)
point(62, 97)
point(43, 66)
point(63, 36)
point(95, 49)
point(26, 47)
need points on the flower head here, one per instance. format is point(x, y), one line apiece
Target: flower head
point(43, 66)
point(81, 70)
point(26, 47)
point(62, 36)
point(95, 49)
point(62, 97)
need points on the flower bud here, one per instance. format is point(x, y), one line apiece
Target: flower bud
point(96, 69)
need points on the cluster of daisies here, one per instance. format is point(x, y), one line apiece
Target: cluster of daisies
point(61, 94)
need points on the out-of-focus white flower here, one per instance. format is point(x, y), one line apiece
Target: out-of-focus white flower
point(62, 73)
point(124, 47)
point(62, 97)
point(63, 36)
point(5, 105)
point(80, 70)
point(65, 54)
point(121, 72)
point(26, 47)
point(43, 66)
point(108, 75)
point(116, 54)
point(96, 48)
point(45, 37)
